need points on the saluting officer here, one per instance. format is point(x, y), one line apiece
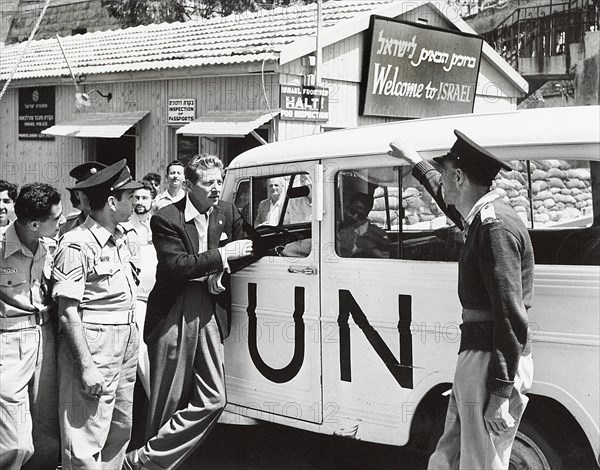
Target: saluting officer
point(96, 289)
point(79, 200)
point(495, 288)
point(28, 385)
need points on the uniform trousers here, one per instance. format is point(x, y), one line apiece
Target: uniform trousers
point(466, 444)
point(95, 431)
point(28, 399)
point(188, 427)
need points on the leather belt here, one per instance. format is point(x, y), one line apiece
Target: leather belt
point(475, 314)
point(108, 317)
point(24, 321)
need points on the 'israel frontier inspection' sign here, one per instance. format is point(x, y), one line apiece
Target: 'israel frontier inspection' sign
point(419, 71)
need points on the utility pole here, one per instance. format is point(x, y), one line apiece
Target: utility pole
point(319, 54)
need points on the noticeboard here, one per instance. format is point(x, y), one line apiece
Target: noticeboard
point(415, 71)
point(304, 103)
point(181, 110)
point(36, 112)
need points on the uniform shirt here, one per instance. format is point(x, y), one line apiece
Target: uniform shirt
point(495, 273)
point(165, 198)
point(141, 224)
point(95, 268)
point(24, 275)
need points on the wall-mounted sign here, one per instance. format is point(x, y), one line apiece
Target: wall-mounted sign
point(36, 112)
point(419, 71)
point(181, 111)
point(304, 103)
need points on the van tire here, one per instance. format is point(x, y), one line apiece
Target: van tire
point(532, 451)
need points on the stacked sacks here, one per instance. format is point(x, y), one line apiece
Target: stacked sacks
point(415, 206)
point(559, 191)
point(378, 215)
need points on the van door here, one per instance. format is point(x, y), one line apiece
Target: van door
point(389, 309)
point(273, 355)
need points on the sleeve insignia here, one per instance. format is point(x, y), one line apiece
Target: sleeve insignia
point(488, 214)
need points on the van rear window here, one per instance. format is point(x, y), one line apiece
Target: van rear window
point(385, 213)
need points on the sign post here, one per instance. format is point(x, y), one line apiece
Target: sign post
point(418, 71)
point(36, 112)
point(181, 111)
point(304, 103)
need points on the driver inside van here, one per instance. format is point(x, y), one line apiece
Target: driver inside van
point(360, 237)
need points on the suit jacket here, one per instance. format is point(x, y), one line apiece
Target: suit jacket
point(179, 307)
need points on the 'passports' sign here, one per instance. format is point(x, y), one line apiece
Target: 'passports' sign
point(419, 71)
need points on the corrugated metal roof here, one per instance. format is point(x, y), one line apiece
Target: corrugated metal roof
point(228, 123)
point(236, 39)
point(107, 125)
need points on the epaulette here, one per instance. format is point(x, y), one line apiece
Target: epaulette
point(488, 214)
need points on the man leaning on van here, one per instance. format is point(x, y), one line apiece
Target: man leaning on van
point(495, 288)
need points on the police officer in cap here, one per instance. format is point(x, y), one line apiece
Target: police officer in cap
point(78, 200)
point(95, 286)
point(495, 288)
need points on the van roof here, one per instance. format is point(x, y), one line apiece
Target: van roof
point(546, 133)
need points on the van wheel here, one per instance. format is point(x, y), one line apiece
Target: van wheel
point(531, 451)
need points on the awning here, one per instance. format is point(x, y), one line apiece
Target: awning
point(228, 123)
point(107, 125)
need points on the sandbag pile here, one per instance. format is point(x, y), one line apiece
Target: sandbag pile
point(415, 209)
point(560, 191)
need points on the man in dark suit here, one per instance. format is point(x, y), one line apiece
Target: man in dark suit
point(186, 319)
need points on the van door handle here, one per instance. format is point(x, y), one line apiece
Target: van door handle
point(302, 270)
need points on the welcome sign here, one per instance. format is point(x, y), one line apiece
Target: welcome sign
point(418, 71)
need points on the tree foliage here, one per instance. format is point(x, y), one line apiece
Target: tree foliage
point(144, 12)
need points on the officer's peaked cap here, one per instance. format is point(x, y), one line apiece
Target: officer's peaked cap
point(115, 177)
point(470, 154)
point(85, 170)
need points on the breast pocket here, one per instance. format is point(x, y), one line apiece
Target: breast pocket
point(108, 275)
point(11, 279)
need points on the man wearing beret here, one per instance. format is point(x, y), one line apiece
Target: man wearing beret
point(95, 284)
point(78, 199)
point(495, 288)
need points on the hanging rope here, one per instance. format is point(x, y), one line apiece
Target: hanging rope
point(16, 67)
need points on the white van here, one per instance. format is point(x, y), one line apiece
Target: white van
point(362, 341)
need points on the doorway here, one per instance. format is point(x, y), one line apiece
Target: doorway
point(109, 151)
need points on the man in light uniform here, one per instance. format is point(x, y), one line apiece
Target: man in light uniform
point(95, 285)
point(78, 199)
point(495, 287)
point(140, 222)
point(175, 190)
point(28, 385)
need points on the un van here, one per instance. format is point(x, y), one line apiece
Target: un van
point(360, 339)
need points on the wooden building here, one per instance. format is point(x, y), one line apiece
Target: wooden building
point(155, 93)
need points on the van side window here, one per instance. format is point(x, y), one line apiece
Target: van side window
point(555, 199)
point(279, 207)
point(242, 200)
point(367, 212)
point(427, 234)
